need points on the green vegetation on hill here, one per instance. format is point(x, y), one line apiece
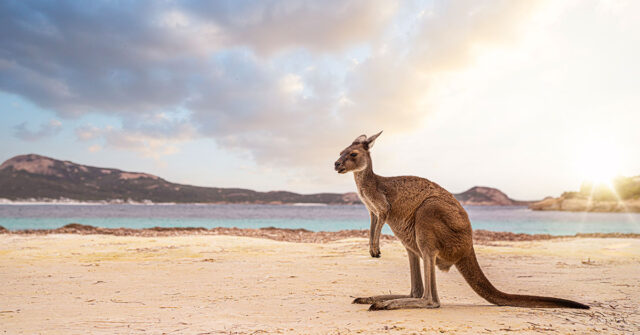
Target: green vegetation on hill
point(622, 195)
point(621, 188)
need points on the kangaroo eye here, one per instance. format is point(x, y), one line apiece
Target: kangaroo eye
point(354, 154)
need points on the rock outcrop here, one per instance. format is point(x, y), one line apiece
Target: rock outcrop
point(487, 196)
point(621, 195)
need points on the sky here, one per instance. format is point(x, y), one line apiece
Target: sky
point(528, 97)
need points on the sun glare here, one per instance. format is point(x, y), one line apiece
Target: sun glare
point(599, 172)
point(599, 163)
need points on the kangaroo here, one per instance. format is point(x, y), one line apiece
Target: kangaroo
point(432, 225)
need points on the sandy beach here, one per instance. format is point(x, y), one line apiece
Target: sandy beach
point(220, 284)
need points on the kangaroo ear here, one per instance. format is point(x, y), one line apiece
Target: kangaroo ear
point(360, 139)
point(372, 139)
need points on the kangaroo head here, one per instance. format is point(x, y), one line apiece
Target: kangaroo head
point(356, 156)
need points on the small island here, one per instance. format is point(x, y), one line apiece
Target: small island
point(620, 195)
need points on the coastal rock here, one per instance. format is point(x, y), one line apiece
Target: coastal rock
point(298, 235)
point(621, 195)
point(585, 205)
point(487, 196)
point(33, 164)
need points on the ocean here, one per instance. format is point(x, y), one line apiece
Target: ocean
point(315, 218)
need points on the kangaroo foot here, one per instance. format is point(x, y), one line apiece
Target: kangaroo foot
point(403, 303)
point(377, 298)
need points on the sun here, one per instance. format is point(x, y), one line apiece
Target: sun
point(598, 162)
point(599, 172)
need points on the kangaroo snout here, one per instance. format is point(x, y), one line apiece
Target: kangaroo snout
point(338, 166)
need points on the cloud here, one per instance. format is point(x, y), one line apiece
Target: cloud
point(151, 135)
point(137, 141)
point(388, 89)
point(268, 26)
point(95, 148)
point(274, 79)
point(45, 130)
point(104, 56)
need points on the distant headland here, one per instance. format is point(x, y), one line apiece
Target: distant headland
point(621, 195)
point(35, 178)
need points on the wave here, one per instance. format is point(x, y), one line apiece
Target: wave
point(66, 201)
point(308, 204)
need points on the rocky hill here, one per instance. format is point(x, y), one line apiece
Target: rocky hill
point(37, 177)
point(621, 195)
point(487, 196)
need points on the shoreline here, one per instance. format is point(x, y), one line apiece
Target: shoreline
point(299, 235)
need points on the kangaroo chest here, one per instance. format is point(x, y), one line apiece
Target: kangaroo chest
point(374, 201)
point(367, 202)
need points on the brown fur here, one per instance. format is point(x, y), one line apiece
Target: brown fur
point(432, 226)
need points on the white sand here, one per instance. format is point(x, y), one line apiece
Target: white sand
point(73, 284)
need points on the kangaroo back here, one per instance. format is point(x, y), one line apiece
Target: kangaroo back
point(470, 270)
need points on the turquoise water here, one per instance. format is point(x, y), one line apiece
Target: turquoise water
point(314, 218)
point(309, 224)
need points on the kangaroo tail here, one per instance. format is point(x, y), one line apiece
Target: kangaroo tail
point(470, 270)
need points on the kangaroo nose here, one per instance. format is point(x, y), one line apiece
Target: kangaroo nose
point(337, 164)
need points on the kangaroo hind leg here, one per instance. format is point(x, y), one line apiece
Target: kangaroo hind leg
point(416, 284)
point(429, 298)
